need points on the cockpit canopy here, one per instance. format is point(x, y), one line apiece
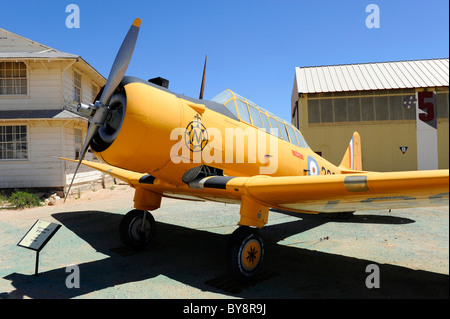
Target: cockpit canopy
point(247, 111)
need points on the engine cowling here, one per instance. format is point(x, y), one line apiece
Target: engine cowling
point(109, 131)
point(137, 130)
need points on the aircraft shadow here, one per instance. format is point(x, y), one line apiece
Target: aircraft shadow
point(191, 257)
point(309, 221)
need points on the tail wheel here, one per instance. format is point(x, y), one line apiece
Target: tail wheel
point(137, 229)
point(246, 253)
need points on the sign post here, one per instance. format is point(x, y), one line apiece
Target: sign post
point(37, 237)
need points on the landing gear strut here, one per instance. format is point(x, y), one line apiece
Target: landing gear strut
point(137, 229)
point(246, 252)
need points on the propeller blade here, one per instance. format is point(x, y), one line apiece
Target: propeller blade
point(121, 62)
point(115, 76)
point(90, 134)
point(203, 80)
point(94, 124)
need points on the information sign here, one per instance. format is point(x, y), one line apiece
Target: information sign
point(39, 235)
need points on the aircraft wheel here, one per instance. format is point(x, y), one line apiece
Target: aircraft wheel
point(135, 233)
point(246, 253)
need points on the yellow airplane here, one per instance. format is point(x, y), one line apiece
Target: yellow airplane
point(228, 150)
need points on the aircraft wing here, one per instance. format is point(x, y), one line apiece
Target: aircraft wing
point(130, 177)
point(341, 193)
point(314, 194)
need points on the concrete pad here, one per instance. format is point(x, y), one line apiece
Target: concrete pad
point(311, 256)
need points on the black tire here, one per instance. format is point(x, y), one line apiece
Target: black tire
point(246, 252)
point(130, 229)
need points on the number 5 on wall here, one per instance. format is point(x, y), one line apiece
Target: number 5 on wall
point(429, 107)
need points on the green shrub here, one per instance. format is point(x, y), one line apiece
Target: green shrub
point(3, 198)
point(22, 200)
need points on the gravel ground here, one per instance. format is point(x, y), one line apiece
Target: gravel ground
point(306, 256)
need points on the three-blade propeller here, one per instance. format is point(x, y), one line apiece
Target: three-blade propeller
point(100, 109)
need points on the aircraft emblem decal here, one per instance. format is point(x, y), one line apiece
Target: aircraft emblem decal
point(313, 168)
point(196, 135)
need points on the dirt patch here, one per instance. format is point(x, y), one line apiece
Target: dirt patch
point(111, 198)
point(79, 194)
point(110, 192)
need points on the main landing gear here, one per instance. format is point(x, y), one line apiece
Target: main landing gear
point(245, 246)
point(137, 229)
point(245, 253)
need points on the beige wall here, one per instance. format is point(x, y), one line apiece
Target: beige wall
point(381, 141)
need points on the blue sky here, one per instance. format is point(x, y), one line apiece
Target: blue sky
point(253, 46)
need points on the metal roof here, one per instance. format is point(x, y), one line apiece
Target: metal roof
point(14, 47)
point(373, 76)
point(37, 55)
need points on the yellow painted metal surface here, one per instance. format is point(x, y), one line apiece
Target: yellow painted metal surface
point(164, 136)
point(381, 140)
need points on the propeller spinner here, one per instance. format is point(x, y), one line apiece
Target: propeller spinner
point(98, 111)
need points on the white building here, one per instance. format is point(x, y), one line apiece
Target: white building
point(40, 88)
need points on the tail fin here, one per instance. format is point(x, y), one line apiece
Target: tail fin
point(352, 158)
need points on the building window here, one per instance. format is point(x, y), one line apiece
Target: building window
point(295, 117)
point(77, 86)
point(367, 106)
point(13, 143)
point(13, 78)
point(314, 111)
point(78, 141)
point(78, 137)
point(442, 103)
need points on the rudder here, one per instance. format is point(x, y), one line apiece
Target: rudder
point(352, 159)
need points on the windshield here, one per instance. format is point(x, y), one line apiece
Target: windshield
point(247, 111)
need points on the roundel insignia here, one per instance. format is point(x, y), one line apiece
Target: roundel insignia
point(196, 136)
point(313, 168)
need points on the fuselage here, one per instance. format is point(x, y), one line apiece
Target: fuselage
point(165, 134)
